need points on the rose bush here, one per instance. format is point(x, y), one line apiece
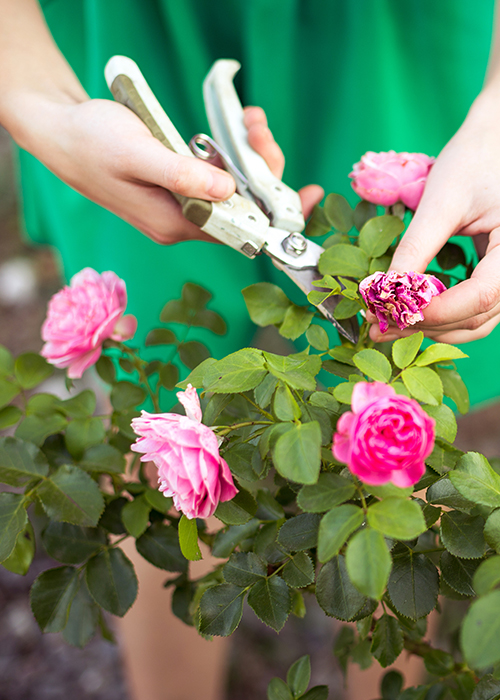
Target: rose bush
point(368, 530)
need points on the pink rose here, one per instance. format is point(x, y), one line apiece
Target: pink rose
point(82, 316)
point(400, 296)
point(186, 452)
point(385, 438)
point(387, 178)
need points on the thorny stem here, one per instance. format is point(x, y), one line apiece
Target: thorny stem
point(139, 366)
point(261, 410)
point(227, 429)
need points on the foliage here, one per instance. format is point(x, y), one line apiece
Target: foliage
point(301, 525)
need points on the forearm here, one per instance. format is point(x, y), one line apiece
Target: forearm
point(31, 68)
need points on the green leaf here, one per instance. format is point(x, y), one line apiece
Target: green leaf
point(492, 530)
point(450, 256)
point(346, 260)
point(268, 506)
point(335, 528)
point(398, 518)
point(31, 369)
point(83, 618)
point(9, 416)
point(387, 640)
point(476, 480)
point(244, 569)
point(37, 429)
point(19, 561)
point(8, 391)
point(135, 516)
point(405, 350)
point(6, 361)
point(238, 510)
point(331, 490)
point(486, 576)
point(319, 692)
point(84, 433)
point(381, 264)
point(454, 388)
point(363, 212)
point(158, 500)
point(446, 424)
point(221, 608)
point(297, 454)
point(278, 690)
point(343, 392)
point(80, 406)
point(338, 212)
point(271, 601)
point(195, 296)
point(439, 663)
point(298, 571)
point(346, 308)
point(444, 493)
point(160, 546)
point(321, 399)
point(488, 688)
point(265, 544)
point(480, 633)
point(318, 224)
point(378, 233)
point(439, 352)
point(193, 353)
point(71, 496)
point(226, 541)
point(125, 395)
point(285, 406)
point(391, 685)
point(241, 459)
point(169, 375)
point(266, 303)
point(106, 369)
point(368, 563)
point(72, 544)
point(335, 592)
point(413, 584)
point(298, 371)
point(236, 373)
point(13, 520)
point(265, 390)
point(374, 364)
point(458, 573)
point(111, 581)
point(317, 337)
point(389, 490)
point(296, 322)
point(160, 336)
point(462, 535)
point(300, 532)
point(51, 596)
point(188, 539)
point(299, 675)
point(104, 459)
point(423, 384)
point(20, 462)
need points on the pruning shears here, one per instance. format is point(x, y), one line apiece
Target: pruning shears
point(266, 216)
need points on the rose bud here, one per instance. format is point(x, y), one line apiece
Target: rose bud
point(82, 316)
point(386, 437)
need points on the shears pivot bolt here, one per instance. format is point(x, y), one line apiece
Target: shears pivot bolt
point(295, 244)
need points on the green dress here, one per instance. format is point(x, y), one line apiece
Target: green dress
point(336, 78)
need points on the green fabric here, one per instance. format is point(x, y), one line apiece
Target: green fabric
point(336, 79)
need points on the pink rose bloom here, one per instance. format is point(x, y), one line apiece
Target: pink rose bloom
point(400, 296)
point(385, 438)
point(387, 178)
point(186, 452)
point(82, 316)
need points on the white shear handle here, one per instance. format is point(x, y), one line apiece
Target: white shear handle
point(225, 116)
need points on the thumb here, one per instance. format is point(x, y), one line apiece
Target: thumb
point(433, 224)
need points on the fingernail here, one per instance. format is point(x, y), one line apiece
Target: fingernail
point(220, 185)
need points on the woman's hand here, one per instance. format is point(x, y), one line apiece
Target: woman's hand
point(462, 196)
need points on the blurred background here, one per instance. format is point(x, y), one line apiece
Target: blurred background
point(43, 667)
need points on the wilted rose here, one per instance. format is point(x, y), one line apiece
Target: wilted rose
point(400, 296)
point(387, 178)
point(386, 437)
point(82, 316)
point(186, 453)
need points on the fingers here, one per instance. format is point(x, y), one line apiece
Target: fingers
point(310, 196)
point(149, 161)
point(261, 140)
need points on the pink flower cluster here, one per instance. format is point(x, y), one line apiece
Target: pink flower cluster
point(82, 316)
point(387, 178)
point(186, 452)
point(400, 296)
point(385, 438)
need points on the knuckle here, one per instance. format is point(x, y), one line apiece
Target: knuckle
point(179, 177)
point(488, 297)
